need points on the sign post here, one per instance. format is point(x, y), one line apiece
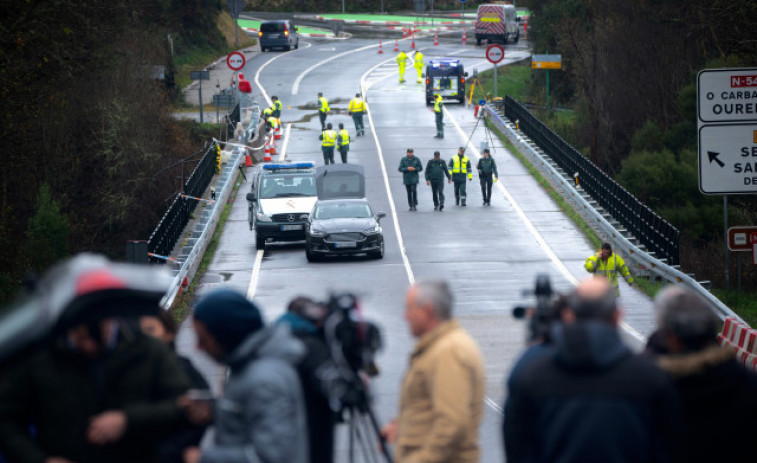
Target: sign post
point(495, 54)
point(235, 7)
point(200, 75)
point(546, 62)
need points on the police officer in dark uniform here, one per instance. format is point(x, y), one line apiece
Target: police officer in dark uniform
point(486, 168)
point(436, 170)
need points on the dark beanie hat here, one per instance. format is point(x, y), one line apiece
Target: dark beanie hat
point(229, 316)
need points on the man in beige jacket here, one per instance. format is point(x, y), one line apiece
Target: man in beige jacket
point(443, 390)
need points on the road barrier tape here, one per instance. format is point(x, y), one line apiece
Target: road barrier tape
point(158, 256)
point(209, 201)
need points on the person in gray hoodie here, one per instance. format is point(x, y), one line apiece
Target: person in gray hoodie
point(261, 416)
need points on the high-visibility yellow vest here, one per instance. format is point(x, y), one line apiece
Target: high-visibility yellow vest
point(277, 105)
point(438, 104)
point(460, 166)
point(324, 104)
point(345, 137)
point(401, 58)
point(329, 138)
point(356, 106)
point(608, 269)
point(267, 112)
point(273, 122)
point(418, 60)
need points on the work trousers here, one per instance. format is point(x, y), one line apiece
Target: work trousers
point(358, 119)
point(402, 72)
point(322, 117)
point(486, 181)
point(437, 191)
point(459, 186)
point(343, 150)
point(439, 123)
point(420, 73)
point(328, 154)
point(412, 194)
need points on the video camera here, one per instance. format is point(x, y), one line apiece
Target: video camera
point(546, 310)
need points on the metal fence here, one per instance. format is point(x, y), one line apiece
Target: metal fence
point(171, 225)
point(653, 231)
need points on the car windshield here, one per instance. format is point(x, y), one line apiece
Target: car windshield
point(288, 186)
point(272, 27)
point(343, 211)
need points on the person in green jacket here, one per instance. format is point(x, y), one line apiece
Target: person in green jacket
point(410, 166)
point(486, 168)
point(607, 264)
point(436, 170)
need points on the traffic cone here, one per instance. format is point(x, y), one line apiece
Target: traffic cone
point(381, 47)
point(436, 38)
point(273, 146)
point(525, 29)
point(464, 38)
point(396, 45)
point(267, 152)
point(247, 160)
point(404, 32)
point(412, 44)
point(277, 132)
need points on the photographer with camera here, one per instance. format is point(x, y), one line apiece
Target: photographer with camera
point(591, 398)
point(442, 394)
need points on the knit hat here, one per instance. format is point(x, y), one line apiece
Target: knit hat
point(229, 316)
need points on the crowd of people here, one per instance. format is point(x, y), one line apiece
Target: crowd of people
point(110, 388)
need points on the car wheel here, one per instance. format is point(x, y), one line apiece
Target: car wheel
point(517, 37)
point(310, 256)
point(297, 45)
point(262, 49)
point(461, 100)
point(478, 42)
point(380, 253)
point(259, 241)
point(287, 48)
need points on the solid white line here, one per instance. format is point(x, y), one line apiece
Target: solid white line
point(534, 232)
point(260, 69)
point(395, 219)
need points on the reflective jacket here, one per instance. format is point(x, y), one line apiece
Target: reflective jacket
point(609, 269)
point(356, 106)
point(459, 167)
point(344, 137)
point(324, 105)
point(418, 60)
point(276, 107)
point(328, 137)
point(273, 122)
point(438, 104)
point(401, 59)
point(267, 112)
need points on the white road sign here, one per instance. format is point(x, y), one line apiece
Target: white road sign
point(495, 53)
point(235, 61)
point(728, 159)
point(727, 95)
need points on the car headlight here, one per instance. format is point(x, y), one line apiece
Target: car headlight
point(373, 230)
point(262, 217)
point(317, 233)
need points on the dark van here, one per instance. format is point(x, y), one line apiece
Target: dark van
point(275, 34)
point(445, 77)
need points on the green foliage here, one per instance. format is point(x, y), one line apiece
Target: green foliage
point(648, 138)
point(48, 232)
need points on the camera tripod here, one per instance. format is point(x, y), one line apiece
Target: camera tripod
point(365, 431)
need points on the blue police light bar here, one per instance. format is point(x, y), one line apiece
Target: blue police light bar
point(445, 62)
point(296, 165)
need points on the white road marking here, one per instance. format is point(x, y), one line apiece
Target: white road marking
point(534, 232)
point(260, 69)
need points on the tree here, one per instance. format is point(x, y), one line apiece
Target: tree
point(47, 233)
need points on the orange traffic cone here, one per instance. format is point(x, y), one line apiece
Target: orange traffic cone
point(525, 28)
point(396, 45)
point(247, 160)
point(436, 39)
point(381, 47)
point(412, 44)
point(277, 132)
point(267, 152)
point(273, 146)
point(404, 32)
point(464, 38)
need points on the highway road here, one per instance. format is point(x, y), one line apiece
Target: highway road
point(488, 254)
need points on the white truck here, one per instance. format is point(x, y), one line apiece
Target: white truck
point(497, 23)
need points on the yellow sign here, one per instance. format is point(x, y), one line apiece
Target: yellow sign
point(489, 20)
point(548, 65)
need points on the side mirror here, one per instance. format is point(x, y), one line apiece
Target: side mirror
point(251, 197)
point(465, 74)
point(380, 215)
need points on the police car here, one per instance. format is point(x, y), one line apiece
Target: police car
point(281, 198)
point(447, 78)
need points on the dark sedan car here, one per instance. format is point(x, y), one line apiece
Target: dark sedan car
point(344, 226)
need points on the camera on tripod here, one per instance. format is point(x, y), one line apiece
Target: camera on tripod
point(358, 340)
point(546, 310)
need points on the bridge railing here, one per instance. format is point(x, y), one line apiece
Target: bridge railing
point(653, 231)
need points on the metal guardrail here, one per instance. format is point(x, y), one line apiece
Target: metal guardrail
point(649, 228)
point(640, 260)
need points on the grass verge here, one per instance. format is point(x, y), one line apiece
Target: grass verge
point(182, 306)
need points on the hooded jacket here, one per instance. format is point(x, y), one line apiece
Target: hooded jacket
point(590, 400)
point(719, 399)
point(261, 416)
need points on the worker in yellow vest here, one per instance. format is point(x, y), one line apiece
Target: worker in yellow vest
point(418, 58)
point(271, 124)
point(323, 110)
point(327, 146)
point(439, 114)
point(343, 142)
point(401, 61)
point(607, 264)
point(357, 110)
point(459, 167)
point(276, 106)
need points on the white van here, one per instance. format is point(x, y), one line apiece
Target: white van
point(497, 23)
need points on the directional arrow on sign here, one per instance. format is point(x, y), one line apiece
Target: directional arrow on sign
point(714, 157)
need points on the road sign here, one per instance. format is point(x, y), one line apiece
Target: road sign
point(495, 53)
point(235, 61)
point(546, 61)
point(728, 159)
point(742, 238)
point(199, 75)
point(235, 7)
point(727, 95)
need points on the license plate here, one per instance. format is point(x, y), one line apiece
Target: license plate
point(291, 227)
point(345, 244)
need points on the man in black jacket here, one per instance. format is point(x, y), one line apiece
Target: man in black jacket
point(486, 169)
point(591, 399)
point(436, 170)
